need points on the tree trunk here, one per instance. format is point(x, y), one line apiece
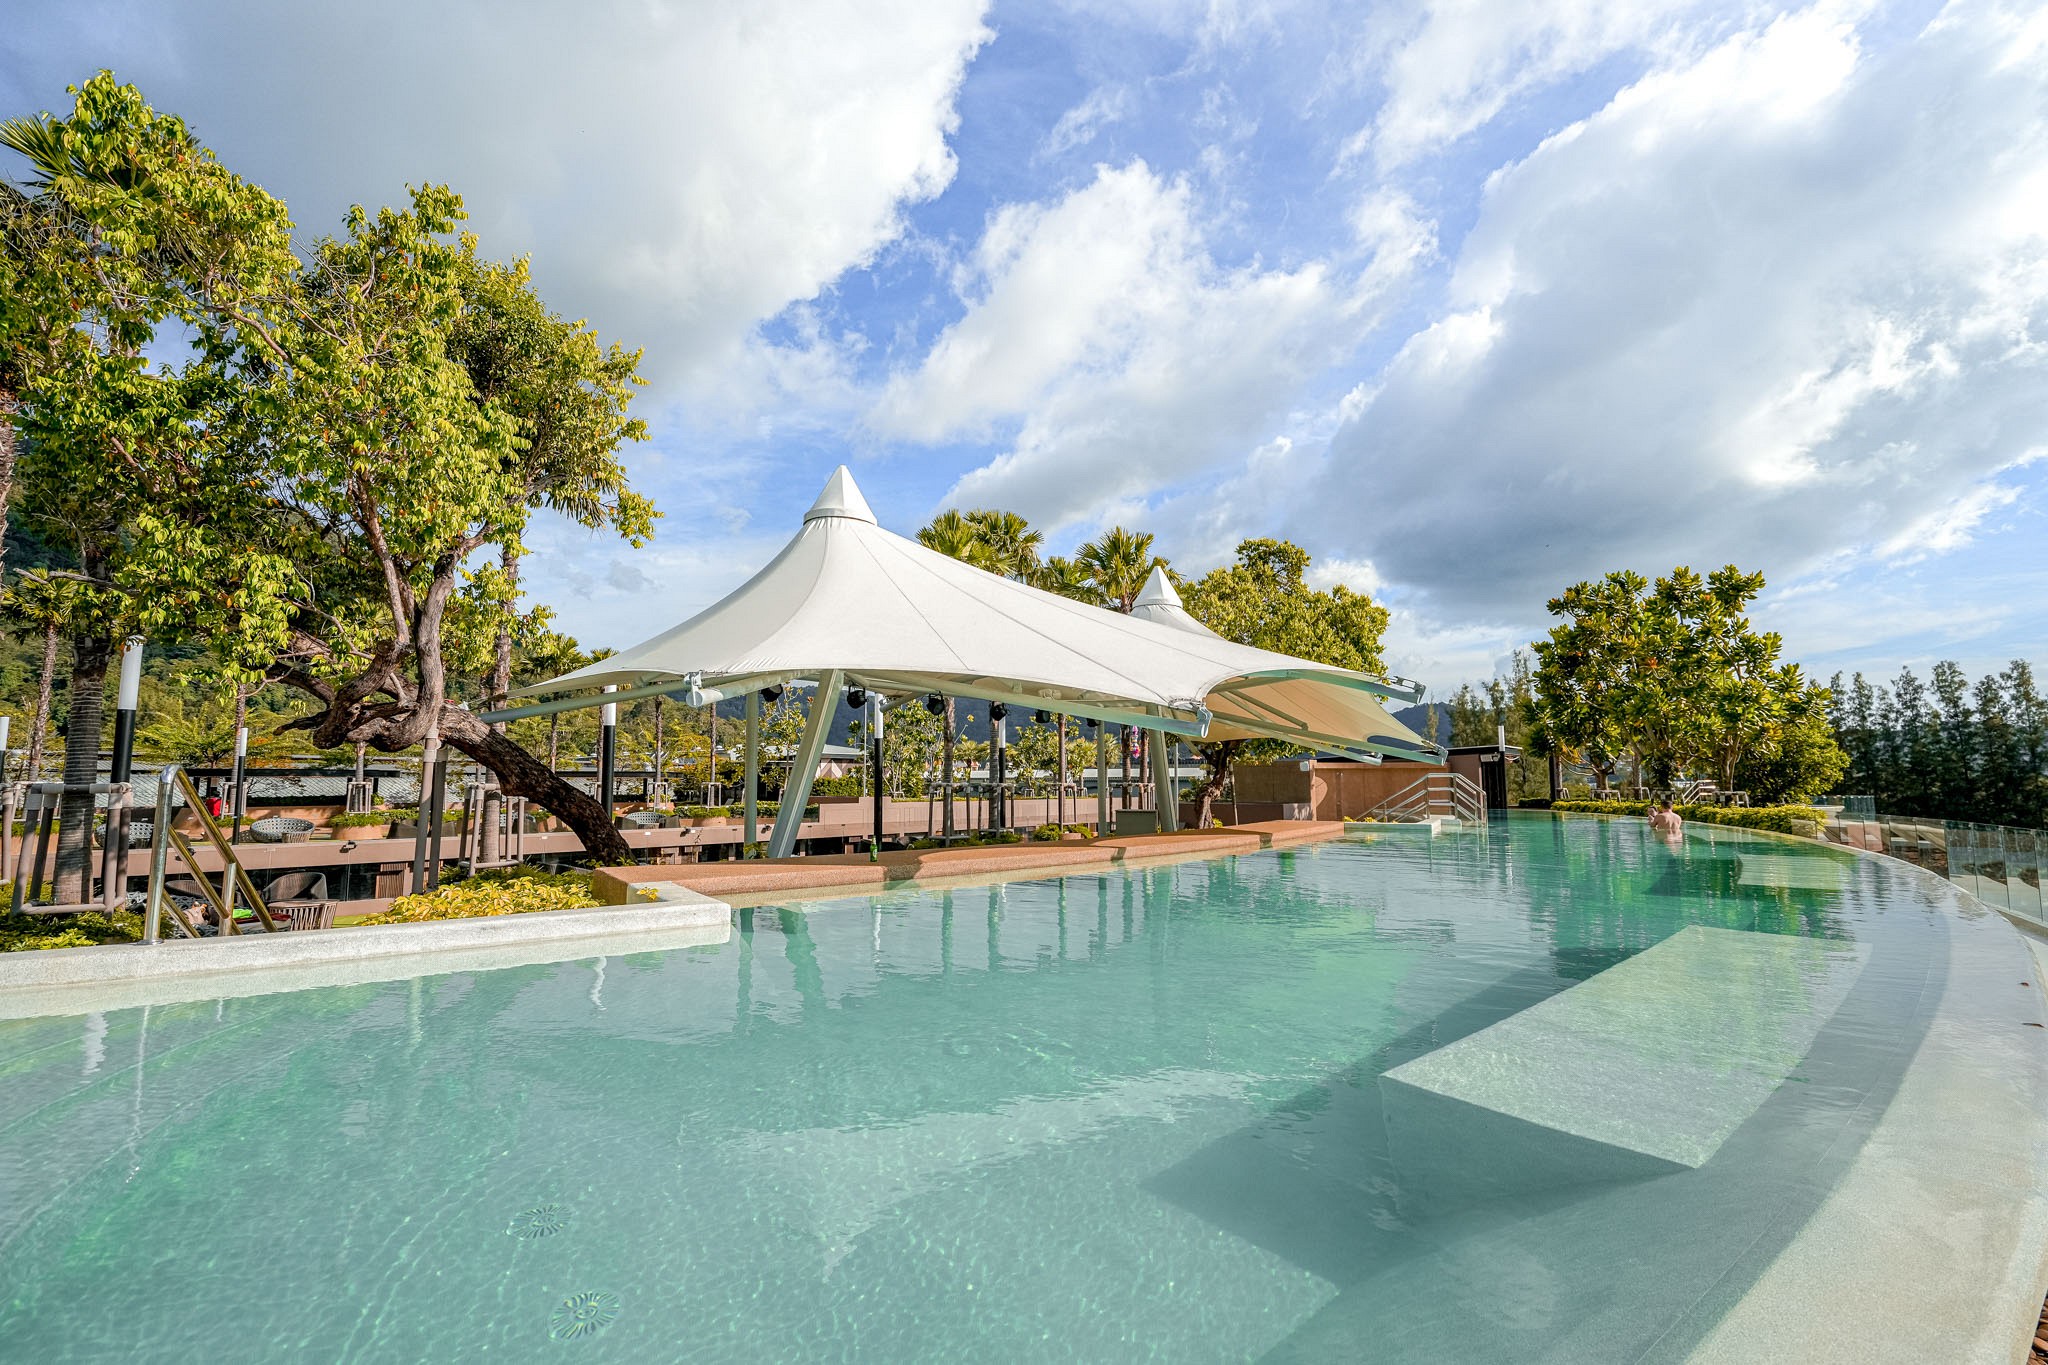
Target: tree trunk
point(1123, 748)
point(1217, 758)
point(10, 404)
point(946, 787)
point(660, 754)
point(501, 667)
point(39, 728)
point(90, 656)
point(519, 773)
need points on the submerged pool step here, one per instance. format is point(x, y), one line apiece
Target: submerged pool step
point(1645, 1069)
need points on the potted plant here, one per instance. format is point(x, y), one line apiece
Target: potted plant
point(365, 824)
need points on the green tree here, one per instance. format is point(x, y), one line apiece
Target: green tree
point(148, 238)
point(1264, 600)
point(1119, 561)
point(1012, 544)
point(1587, 672)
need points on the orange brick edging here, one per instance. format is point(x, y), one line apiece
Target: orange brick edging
point(843, 874)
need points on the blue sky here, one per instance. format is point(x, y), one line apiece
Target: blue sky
point(1472, 298)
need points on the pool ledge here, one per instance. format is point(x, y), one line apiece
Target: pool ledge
point(115, 976)
point(1934, 1244)
point(783, 881)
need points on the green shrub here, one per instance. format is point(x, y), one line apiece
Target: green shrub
point(1048, 834)
point(29, 933)
point(1533, 803)
point(705, 812)
point(503, 891)
point(836, 786)
point(361, 819)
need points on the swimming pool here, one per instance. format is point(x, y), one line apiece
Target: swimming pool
point(1143, 1115)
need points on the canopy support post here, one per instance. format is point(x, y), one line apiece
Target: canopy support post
point(1101, 779)
point(803, 768)
point(752, 799)
point(1164, 797)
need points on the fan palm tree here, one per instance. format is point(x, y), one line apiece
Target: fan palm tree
point(956, 537)
point(1119, 561)
point(1068, 578)
point(1011, 542)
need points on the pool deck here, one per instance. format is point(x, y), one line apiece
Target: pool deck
point(785, 880)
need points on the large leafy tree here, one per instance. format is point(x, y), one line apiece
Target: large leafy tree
point(382, 470)
point(1676, 674)
point(1264, 600)
point(136, 236)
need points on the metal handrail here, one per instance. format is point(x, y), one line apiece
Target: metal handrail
point(1438, 793)
point(234, 878)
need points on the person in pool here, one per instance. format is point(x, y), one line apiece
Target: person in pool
point(1664, 821)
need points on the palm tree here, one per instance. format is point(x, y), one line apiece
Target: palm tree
point(38, 602)
point(1067, 578)
point(1011, 542)
point(956, 537)
point(1119, 562)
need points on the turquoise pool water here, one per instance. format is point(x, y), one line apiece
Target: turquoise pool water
point(1141, 1116)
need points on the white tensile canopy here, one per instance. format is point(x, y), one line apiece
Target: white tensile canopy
point(849, 603)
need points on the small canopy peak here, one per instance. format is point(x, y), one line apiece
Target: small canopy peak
point(1158, 590)
point(841, 498)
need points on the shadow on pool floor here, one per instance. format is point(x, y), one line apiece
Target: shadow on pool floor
point(1624, 1269)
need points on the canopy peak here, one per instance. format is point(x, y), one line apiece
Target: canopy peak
point(841, 498)
point(1158, 590)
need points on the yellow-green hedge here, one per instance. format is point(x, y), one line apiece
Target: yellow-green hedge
point(511, 891)
point(1781, 819)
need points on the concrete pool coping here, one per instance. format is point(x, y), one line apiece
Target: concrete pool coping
point(1933, 1245)
point(120, 976)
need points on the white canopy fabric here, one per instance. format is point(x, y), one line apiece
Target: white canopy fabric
point(846, 596)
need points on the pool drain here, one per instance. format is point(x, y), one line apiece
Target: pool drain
point(544, 1221)
point(583, 1315)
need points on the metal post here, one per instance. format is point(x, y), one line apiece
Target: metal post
point(159, 853)
point(714, 790)
point(607, 752)
point(875, 713)
point(1102, 825)
point(429, 749)
point(751, 809)
point(239, 790)
point(125, 698)
point(5, 721)
point(998, 808)
point(1060, 738)
point(9, 804)
point(803, 768)
point(434, 828)
point(1165, 799)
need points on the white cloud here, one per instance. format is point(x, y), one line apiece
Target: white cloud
point(1765, 305)
point(1078, 126)
point(1450, 66)
point(680, 171)
point(1127, 358)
